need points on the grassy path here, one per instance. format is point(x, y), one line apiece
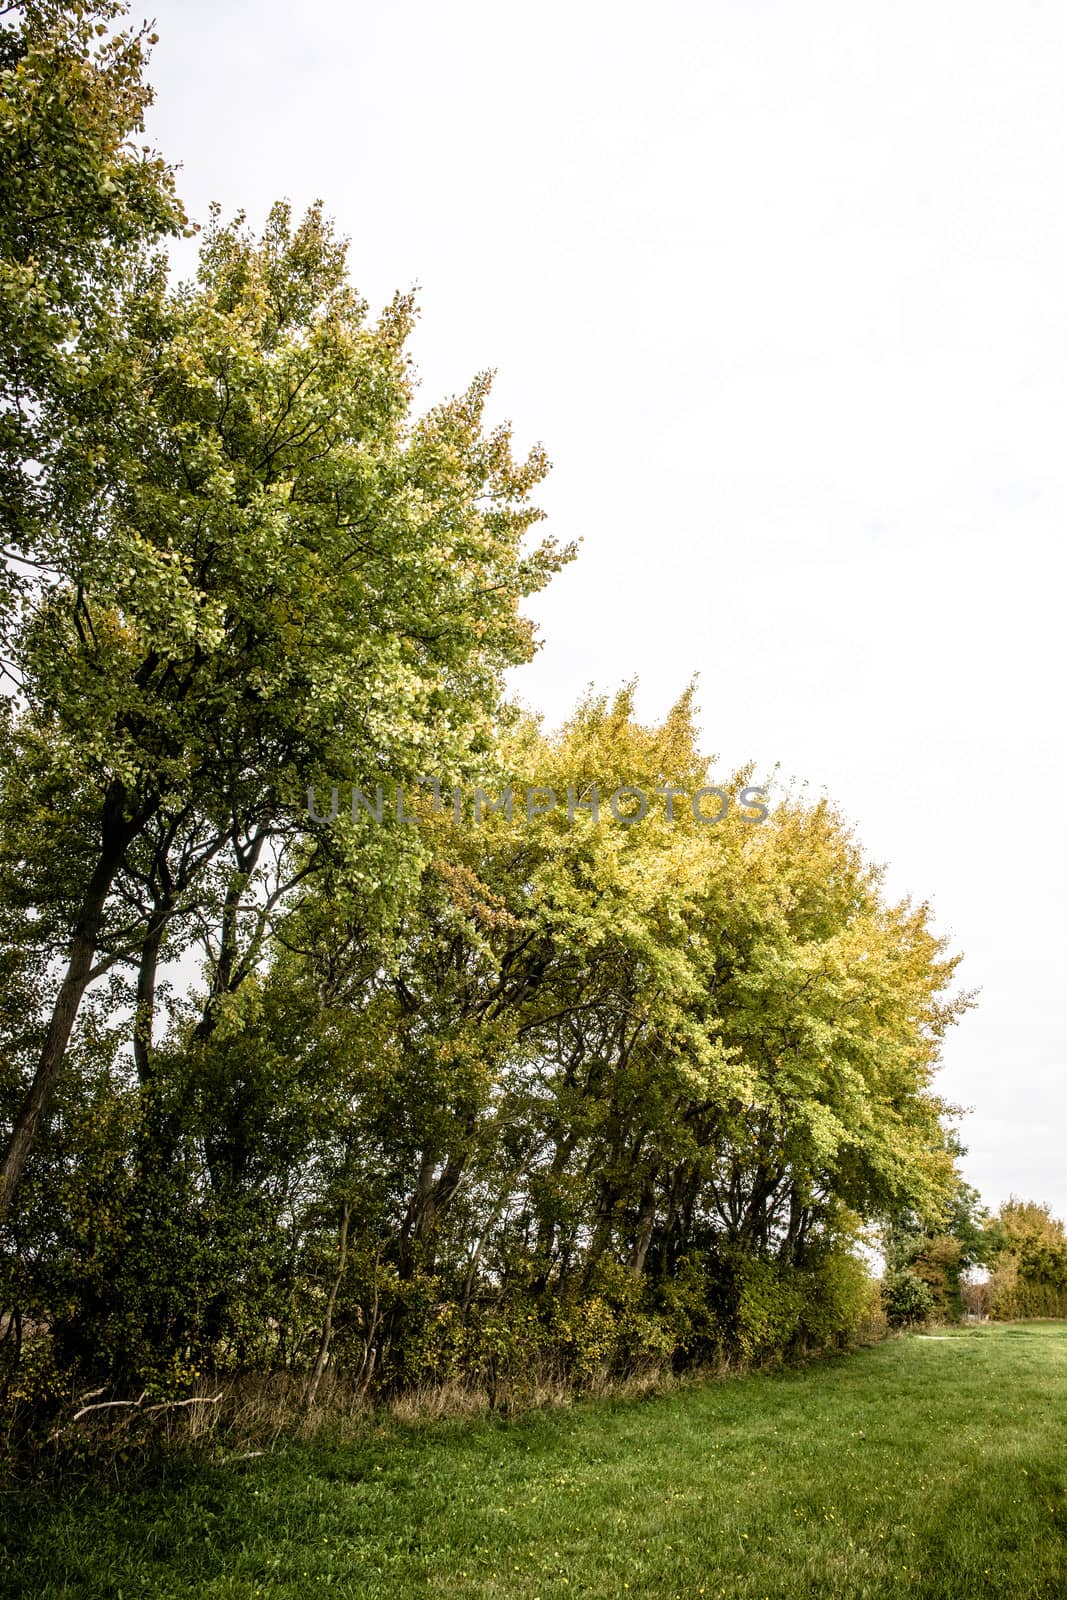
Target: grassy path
point(933, 1467)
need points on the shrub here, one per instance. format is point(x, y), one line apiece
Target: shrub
point(908, 1300)
point(837, 1301)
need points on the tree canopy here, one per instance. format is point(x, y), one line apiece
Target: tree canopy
point(451, 1090)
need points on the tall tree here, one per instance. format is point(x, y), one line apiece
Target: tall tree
point(79, 201)
point(272, 576)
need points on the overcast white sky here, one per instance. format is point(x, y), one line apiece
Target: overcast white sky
point(783, 288)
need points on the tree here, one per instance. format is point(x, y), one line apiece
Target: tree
point(1027, 1251)
point(271, 577)
point(79, 201)
point(908, 1299)
point(592, 1054)
point(941, 1247)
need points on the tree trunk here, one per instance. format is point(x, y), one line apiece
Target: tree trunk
point(41, 1093)
point(327, 1321)
point(646, 1217)
point(431, 1199)
point(146, 997)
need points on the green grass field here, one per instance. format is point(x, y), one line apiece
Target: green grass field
point(931, 1466)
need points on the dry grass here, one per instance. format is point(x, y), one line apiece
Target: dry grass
point(250, 1414)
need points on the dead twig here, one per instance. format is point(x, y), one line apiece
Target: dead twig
point(136, 1405)
point(105, 1405)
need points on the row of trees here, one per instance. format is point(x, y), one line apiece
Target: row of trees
point(408, 1098)
point(600, 1093)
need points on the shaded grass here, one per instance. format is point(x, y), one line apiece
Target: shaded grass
point(932, 1467)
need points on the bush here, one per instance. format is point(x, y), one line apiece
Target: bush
point(937, 1265)
point(837, 1302)
point(908, 1300)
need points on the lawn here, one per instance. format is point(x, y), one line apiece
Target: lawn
point(927, 1466)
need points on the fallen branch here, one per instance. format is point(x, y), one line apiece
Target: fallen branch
point(105, 1405)
point(196, 1400)
point(135, 1405)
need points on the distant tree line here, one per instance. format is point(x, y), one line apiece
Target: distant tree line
point(1020, 1254)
